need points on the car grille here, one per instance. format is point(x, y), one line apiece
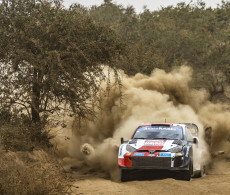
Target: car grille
point(151, 162)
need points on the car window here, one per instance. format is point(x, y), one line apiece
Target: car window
point(192, 128)
point(159, 132)
point(189, 135)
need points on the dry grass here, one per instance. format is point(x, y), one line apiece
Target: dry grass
point(31, 173)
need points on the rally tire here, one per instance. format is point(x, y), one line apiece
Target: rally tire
point(200, 173)
point(187, 175)
point(123, 175)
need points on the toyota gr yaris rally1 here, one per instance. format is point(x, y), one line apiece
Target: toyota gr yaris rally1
point(162, 146)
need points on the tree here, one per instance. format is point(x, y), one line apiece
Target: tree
point(107, 13)
point(51, 57)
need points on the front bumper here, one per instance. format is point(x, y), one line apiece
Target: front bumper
point(156, 168)
point(163, 163)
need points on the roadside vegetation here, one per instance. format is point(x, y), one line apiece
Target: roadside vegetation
point(36, 172)
point(52, 60)
point(187, 34)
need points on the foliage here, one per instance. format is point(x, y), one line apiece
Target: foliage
point(17, 133)
point(189, 34)
point(50, 57)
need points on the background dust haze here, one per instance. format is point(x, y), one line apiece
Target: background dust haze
point(146, 99)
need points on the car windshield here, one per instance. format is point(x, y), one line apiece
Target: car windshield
point(159, 132)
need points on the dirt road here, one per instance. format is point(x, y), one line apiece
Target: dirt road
point(216, 182)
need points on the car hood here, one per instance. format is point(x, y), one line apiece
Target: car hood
point(156, 144)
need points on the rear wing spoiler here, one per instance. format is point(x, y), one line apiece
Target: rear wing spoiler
point(192, 128)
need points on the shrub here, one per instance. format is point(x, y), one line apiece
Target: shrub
point(30, 173)
point(15, 138)
point(18, 133)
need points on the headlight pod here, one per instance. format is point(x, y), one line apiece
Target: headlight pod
point(175, 149)
point(130, 148)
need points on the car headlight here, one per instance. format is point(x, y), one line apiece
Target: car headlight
point(175, 149)
point(130, 148)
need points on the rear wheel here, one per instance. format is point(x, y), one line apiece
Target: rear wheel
point(200, 173)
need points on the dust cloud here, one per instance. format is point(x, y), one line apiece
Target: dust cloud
point(156, 98)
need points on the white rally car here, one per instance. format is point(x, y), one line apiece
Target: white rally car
point(162, 146)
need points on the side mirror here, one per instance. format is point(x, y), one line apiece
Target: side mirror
point(122, 140)
point(195, 140)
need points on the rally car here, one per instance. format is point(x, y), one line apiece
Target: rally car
point(162, 146)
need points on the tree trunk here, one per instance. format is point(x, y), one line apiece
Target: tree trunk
point(35, 99)
point(35, 103)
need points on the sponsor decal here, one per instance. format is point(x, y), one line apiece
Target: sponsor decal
point(151, 155)
point(154, 142)
point(144, 128)
point(120, 152)
point(165, 154)
point(138, 154)
point(159, 128)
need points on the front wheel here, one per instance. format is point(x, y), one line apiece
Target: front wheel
point(187, 175)
point(123, 175)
